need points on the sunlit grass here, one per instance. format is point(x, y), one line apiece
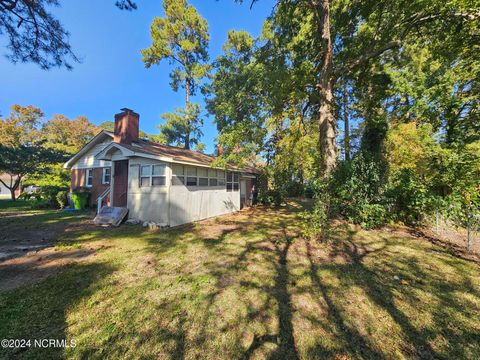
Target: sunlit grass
point(249, 286)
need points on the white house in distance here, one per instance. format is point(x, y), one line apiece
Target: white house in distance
point(158, 183)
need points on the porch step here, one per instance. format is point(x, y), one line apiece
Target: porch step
point(110, 215)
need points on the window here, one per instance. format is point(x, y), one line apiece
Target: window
point(158, 175)
point(191, 181)
point(232, 181)
point(145, 174)
point(191, 176)
point(106, 172)
point(221, 177)
point(89, 177)
point(213, 175)
point(198, 176)
point(202, 177)
point(152, 175)
point(178, 176)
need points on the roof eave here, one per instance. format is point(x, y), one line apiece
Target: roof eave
point(85, 148)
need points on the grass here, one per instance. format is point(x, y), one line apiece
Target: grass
point(249, 286)
point(19, 220)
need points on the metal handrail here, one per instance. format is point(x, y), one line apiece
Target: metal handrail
point(101, 197)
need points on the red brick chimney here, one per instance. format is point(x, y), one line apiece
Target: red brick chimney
point(220, 150)
point(126, 126)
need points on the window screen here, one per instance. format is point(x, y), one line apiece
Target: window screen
point(232, 181)
point(191, 181)
point(153, 175)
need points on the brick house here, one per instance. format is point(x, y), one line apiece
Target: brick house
point(156, 182)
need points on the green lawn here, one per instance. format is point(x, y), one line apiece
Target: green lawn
point(249, 286)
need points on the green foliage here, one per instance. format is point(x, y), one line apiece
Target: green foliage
point(183, 127)
point(200, 147)
point(357, 190)
point(21, 126)
point(34, 151)
point(181, 38)
point(34, 34)
point(316, 223)
point(48, 197)
point(417, 177)
point(66, 135)
point(62, 199)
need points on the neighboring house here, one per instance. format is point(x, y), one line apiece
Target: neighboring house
point(158, 183)
point(4, 191)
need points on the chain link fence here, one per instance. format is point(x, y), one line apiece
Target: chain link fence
point(460, 228)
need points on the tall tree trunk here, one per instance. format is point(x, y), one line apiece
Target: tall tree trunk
point(187, 99)
point(328, 148)
point(12, 194)
point(346, 123)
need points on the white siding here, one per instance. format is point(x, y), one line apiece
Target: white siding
point(191, 203)
point(176, 205)
point(147, 203)
point(88, 159)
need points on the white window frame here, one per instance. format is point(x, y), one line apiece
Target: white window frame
point(191, 176)
point(151, 176)
point(104, 173)
point(88, 175)
point(233, 183)
point(179, 177)
point(212, 174)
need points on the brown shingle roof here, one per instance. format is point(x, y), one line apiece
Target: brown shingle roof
point(176, 153)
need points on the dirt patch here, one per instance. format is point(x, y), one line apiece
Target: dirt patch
point(35, 266)
point(14, 242)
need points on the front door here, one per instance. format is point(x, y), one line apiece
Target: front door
point(243, 192)
point(120, 183)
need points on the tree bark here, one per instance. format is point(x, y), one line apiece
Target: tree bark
point(328, 148)
point(187, 99)
point(12, 194)
point(346, 123)
point(13, 186)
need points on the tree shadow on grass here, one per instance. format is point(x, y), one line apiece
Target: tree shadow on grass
point(285, 339)
point(41, 311)
point(353, 341)
point(401, 278)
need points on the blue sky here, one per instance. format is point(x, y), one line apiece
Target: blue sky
point(112, 75)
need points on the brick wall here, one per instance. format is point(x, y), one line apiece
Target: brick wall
point(97, 187)
point(78, 180)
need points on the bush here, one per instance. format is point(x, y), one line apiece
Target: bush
point(357, 189)
point(409, 196)
point(47, 197)
point(271, 197)
point(293, 189)
point(371, 216)
point(62, 199)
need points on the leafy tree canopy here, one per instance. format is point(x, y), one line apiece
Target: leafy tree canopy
point(35, 35)
point(181, 38)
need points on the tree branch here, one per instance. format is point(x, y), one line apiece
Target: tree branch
point(365, 57)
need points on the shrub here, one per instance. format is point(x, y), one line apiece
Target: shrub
point(357, 189)
point(46, 197)
point(371, 216)
point(271, 197)
point(62, 199)
point(317, 221)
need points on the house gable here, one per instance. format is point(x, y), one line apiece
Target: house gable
point(85, 158)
